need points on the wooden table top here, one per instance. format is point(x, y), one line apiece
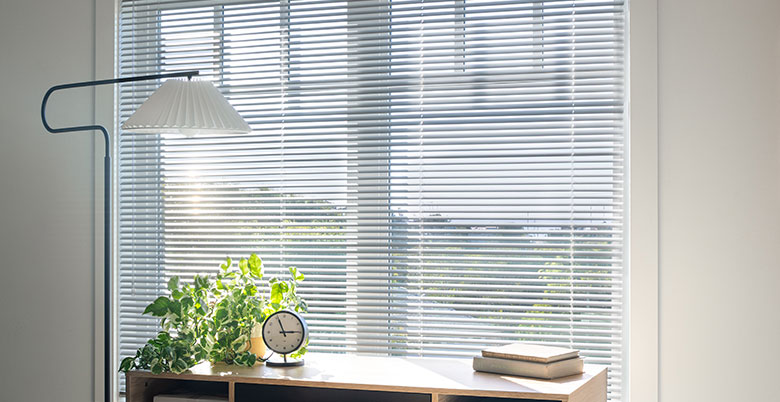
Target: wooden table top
point(421, 375)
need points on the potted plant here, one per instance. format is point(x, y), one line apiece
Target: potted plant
point(214, 320)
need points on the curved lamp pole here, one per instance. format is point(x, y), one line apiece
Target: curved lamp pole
point(235, 124)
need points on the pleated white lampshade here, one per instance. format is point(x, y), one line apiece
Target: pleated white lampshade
point(188, 107)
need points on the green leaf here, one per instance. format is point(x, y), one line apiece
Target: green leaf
point(157, 368)
point(175, 308)
point(177, 294)
point(227, 264)
point(167, 353)
point(127, 364)
point(304, 307)
point(239, 343)
point(173, 283)
point(255, 266)
point(243, 265)
point(200, 355)
point(201, 282)
point(299, 353)
point(179, 366)
point(187, 302)
point(246, 359)
point(298, 276)
point(220, 314)
point(277, 292)
point(159, 307)
point(201, 306)
point(257, 314)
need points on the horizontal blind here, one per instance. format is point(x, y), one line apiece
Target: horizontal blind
point(448, 174)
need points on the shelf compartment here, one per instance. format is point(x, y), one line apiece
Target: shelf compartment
point(144, 389)
point(284, 393)
point(464, 398)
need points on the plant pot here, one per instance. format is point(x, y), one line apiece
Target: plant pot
point(256, 344)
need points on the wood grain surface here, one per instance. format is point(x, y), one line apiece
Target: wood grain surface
point(443, 379)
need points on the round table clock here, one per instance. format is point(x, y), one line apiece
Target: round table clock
point(285, 332)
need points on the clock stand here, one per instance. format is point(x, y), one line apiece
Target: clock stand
point(271, 362)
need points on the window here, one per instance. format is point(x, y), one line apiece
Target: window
point(448, 174)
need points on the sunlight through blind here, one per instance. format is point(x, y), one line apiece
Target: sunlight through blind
point(448, 174)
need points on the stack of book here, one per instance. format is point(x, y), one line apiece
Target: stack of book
point(528, 360)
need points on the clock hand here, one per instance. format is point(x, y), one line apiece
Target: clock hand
point(281, 326)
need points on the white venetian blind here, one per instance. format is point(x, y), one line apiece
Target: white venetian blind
point(448, 174)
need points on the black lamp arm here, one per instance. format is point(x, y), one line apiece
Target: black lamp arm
point(188, 74)
point(108, 371)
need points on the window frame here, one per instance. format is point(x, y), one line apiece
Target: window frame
point(641, 296)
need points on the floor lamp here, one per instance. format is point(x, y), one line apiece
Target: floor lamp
point(188, 107)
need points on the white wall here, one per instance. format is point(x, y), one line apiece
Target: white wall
point(46, 204)
point(719, 169)
point(719, 190)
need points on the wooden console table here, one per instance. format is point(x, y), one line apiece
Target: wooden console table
point(348, 378)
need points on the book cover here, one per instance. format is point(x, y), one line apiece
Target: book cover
point(547, 371)
point(530, 352)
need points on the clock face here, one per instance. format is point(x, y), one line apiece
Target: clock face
point(284, 332)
